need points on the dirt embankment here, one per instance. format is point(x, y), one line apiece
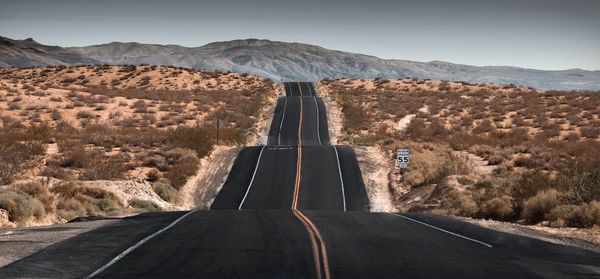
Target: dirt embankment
point(375, 172)
point(203, 188)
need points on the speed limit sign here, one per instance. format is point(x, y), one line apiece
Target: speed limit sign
point(402, 158)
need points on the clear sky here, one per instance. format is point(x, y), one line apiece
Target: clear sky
point(543, 34)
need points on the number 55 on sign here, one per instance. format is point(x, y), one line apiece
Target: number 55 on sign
point(402, 158)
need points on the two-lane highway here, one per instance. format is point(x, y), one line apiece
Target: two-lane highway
point(297, 208)
point(298, 169)
point(299, 115)
point(274, 244)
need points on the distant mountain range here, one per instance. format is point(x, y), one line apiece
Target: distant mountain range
point(286, 61)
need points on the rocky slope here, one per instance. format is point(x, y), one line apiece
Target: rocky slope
point(26, 53)
point(287, 61)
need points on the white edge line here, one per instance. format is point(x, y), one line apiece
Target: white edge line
point(124, 253)
point(300, 87)
point(252, 180)
point(281, 124)
point(446, 231)
point(318, 127)
point(341, 179)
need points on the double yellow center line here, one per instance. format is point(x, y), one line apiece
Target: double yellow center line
point(298, 162)
point(318, 245)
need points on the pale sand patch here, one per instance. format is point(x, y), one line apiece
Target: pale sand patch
point(375, 168)
point(405, 121)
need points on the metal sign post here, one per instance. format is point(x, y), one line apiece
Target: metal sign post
point(219, 122)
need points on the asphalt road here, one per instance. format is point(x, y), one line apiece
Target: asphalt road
point(298, 169)
point(274, 244)
point(285, 126)
point(323, 184)
point(304, 214)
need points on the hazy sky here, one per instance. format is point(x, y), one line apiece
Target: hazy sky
point(544, 34)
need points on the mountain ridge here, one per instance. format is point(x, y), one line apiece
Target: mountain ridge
point(287, 61)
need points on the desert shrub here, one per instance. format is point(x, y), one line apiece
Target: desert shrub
point(181, 170)
point(355, 118)
point(84, 114)
point(146, 205)
point(527, 162)
point(482, 150)
point(20, 205)
point(76, 201)
point(483, 184)
point(460, 203)
point(503, 168)
point(166, 192)
point(590, 132)
point(139, 106)
point(529, 184)
point(156, 161)
point(432, 163)
point(195, 138)
point(40, 192)
point(581, 181)
point(572, 137)
point(536, 207)
point(14, 106)
point(104, 169)
point(585, 216)
point(56, 171)
point(495, 159)
point(485, 126)
point(465, 180)
point(74, 154)
point(16, 156)
point(498, 208)
point(153, 175)
point(459, 165)
point(560, 215)
point(516, 136)
point(55, 115)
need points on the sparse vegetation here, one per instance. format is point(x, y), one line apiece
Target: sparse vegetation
point(543, 147)
point(80, 124)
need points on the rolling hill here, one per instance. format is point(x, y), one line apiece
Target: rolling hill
point(287, 61)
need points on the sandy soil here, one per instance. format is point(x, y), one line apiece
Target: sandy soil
point(375, 168)
point(584, 238)
point(215, 172)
